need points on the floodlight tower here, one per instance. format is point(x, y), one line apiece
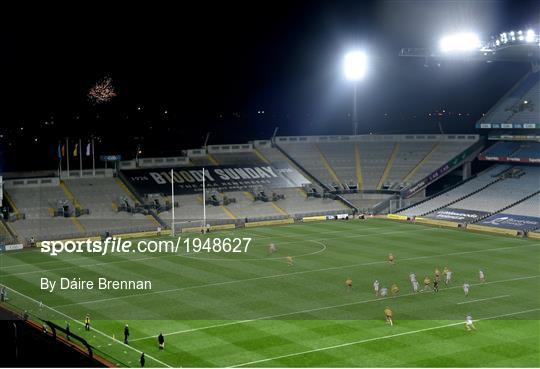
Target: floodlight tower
point(354, 67)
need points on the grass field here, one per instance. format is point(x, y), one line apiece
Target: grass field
point(223, 310)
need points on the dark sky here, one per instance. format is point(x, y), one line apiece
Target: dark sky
point(213, 66)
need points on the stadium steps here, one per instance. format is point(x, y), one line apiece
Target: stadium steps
point(421, 163)
point(212, 159)
point(328, 167)
point(358, 166)
point(8, 231)
point(279, 209)
point(388, 166)
point(301, 169)
point(464, 197)
point(76, 204)
point(12, 204)
point(506, 207)
point(261, 156)
point(153, 217)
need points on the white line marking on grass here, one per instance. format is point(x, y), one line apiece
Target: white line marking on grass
point(285, 275)
point(477, 300)
point(182, 255)
point(250, 363)
point(75, 258)
point(322, 249)
point(93, 329)
point(324, 308)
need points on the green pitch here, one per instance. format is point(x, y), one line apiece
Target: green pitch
point(254, 310)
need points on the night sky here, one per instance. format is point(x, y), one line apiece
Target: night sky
point(180, 72)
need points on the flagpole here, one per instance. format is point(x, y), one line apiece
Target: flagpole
point(172, 200)
point(93, 159)
point(67, 156)
point(204, 200)
point(59, 159)
point(80, 158)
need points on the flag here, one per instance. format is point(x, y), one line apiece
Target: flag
point(88, 149)
point(76, 150)
point(63, 151)
point(59, 151)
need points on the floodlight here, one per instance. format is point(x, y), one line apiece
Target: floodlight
point(354, 65)
point(529, 37)
point(460, 42)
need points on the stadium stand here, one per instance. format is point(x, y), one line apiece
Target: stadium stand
point(514, 149)
point(37, 204)
point(503, 193)
point(470, 187)
point(373, 162)
point(520, 105)
point(103, 196)
point(529, 207)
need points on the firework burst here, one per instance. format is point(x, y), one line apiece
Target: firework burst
point(102, 92)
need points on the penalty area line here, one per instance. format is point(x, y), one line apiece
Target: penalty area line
point(250, 363)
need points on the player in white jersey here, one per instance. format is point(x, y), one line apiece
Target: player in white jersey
point(271, 249)
point(415, 286)
point(469, 324)
point(384, 292)
point(447, 277)
point(376, 287)
point(481, 276)
point(466, 287)
point(412, 277)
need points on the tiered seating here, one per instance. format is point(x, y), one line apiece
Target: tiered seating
point(528, 150)
point(443, 152)
point(296, 203)
point(366, 201)
point(502, 148)
point(457, 193)
point(309, 157)
point(245, 207)
point(190, 208)
point(413, 160)
point(98, 195)
point(36, 204)
point(341, 157)
point(512, 107)
point(241, 158)
point(529, 207)
point(409, 155)
point(503, 193)
point(201, 161)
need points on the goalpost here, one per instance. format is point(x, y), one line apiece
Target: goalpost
point(188, 223)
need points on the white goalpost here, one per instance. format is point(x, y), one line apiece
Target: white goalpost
point(195, 223)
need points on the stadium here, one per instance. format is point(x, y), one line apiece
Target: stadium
point(410, 247)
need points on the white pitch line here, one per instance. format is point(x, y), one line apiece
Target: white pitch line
point(147, 258)
point(184, 255)
point(286, 275)
point(93, 329)
point(250, 363)
point(325, 308)
point(477, 300)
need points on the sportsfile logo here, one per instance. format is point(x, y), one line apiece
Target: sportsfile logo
point(109, 245)
point(180, 245)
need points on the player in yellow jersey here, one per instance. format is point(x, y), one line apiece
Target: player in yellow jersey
point(391, 259)
point(395, 289)
point(388, 315)
point(290, 260)
point(437, 273)
point(348, 283)
point(427, 284)
point(87, 322)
